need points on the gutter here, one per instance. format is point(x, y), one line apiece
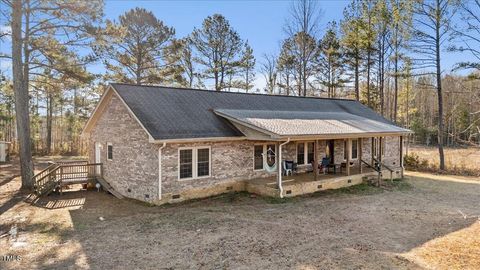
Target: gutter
point(280, 167)
point(160, 170)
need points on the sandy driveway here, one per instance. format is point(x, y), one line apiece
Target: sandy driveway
point(429, 223)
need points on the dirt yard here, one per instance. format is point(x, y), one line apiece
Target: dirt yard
point(426, 222)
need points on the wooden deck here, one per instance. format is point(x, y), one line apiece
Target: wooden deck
point(62, 174)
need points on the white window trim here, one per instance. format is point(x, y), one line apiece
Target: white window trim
point(264, 149)
point(305, 152)
point(351, 148)
point(194, 162)
point(109, 144)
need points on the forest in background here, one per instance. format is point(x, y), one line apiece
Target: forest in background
point(386, 54)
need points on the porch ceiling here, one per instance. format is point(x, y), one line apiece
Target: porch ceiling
point(278, 124)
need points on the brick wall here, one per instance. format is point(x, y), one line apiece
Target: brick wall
point(230, 161)
point(391, 155)
point(134, 169)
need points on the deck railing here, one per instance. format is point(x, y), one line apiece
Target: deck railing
point(58, 175)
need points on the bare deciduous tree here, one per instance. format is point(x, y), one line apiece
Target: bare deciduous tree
point(268, 68)
point(303, 27)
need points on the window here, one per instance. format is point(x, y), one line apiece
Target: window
point(310, 152)
point(186, 164)
point(109, 151)
point(203, 162)
point(354, 152)
point(194, 162)
point(305, 152)
point(378, 149)
point(301, 153)
point(258, 157)
point(353, 149)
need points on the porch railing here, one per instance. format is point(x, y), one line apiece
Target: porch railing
point(378, 167)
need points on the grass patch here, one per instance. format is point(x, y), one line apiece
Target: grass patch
point(367, 188)
point(233, 196)
point(398, 184)
point(360, 189)
point(278, 200)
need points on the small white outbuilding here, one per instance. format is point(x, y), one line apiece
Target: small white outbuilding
point(3, 151)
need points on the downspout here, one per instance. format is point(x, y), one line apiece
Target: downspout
point(160, 170)
point(280, 187)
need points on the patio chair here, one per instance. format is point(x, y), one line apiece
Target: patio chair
point(324, 166)
point(287, 167)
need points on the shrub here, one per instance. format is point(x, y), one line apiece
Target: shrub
point(412, 161)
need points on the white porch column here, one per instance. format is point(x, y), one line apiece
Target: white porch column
point(401, 155)
point(360, 150)
point(279, 167)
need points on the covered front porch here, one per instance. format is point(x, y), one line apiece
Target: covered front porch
point(323, 150)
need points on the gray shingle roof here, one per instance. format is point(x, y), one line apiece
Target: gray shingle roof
point(288, 123)
point(175, 113)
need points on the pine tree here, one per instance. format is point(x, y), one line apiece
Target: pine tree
point(354, 41)
point(286, 70)
point(36, 26)
point(329, 61)
point(432, 22)
point(401, 13)
point(300, 50)
point(247, 67)
point(218, 49)
point(132, 48)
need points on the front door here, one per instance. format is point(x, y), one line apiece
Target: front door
point(98, 147)
point(271, 157)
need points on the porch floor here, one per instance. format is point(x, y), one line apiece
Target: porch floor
point(304, 183)
point(306, 177)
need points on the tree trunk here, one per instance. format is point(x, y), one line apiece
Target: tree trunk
point(368, 78)
point(381, 84)
point(20, 87)
point(357, 88)
point(49, 123)
point(439, 89)
point(395, 93)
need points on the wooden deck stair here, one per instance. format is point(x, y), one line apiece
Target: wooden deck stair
point(106, 186)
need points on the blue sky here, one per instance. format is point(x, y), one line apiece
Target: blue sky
point(259, 22)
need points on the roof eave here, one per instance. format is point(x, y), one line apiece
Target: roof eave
point(204, 139)
point(342, 135)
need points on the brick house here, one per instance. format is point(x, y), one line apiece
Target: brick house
point(163, 144)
